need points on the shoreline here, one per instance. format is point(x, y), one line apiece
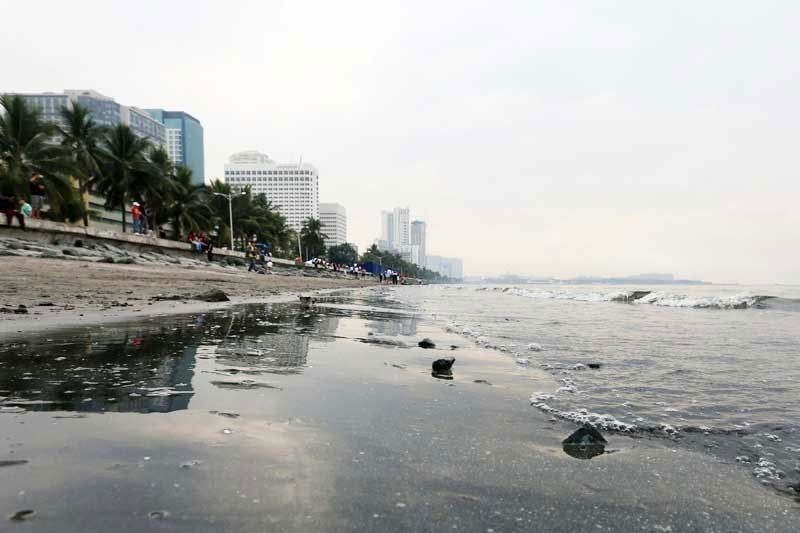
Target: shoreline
point(56, 293)
point(281, 419)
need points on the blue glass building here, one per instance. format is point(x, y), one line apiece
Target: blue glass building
point(184, 141)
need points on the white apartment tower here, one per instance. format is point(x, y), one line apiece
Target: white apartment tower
point(418, 238)
point(293, 188)
point(334, 223)
point(401, 226)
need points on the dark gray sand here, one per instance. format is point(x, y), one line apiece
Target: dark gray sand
point(275, 418)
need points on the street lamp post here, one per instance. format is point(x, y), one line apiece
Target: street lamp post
point(230, 210)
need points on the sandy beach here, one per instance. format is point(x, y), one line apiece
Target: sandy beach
point(57, 293)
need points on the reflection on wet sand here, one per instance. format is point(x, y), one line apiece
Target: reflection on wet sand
point(150, 367)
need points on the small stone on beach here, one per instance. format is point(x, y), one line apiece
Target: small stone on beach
point(427, 344)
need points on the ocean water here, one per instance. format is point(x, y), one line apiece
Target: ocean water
point(710, 367)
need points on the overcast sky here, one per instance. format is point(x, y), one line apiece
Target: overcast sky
point(534, 137)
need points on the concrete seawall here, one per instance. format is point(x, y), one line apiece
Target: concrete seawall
point(49, 232)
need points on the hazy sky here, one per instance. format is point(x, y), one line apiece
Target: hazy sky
point(535, 137)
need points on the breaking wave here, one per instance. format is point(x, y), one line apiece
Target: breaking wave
point(660, 298)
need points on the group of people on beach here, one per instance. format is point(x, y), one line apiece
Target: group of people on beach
point(261, 253)
point(201, 243)
point(389, 277)
point(13, 206)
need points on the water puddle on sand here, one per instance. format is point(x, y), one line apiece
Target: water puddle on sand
point(278, 417)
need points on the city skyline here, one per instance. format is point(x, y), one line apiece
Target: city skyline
point(178, 132)
point(630, 143)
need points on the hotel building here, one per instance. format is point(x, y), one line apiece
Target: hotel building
point(293, 188)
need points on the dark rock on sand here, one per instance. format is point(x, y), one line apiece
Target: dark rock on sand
point(585, 443)
point(21, 310)
point(214, 295)
point(426, 343)
point(18, 462)
point(485, 382)
point(584, 451)
point(443, 365)
point(588, 434)
point(594, 366)
point(19, 516)
point(384, 342)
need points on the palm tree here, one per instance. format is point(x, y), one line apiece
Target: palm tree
point(155, 184)
point(28, 147)
point(81, 137)
point(189, 209)
point(123, 157)
point(312, 238)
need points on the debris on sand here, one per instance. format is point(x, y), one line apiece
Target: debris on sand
point(244, 384)
point(12, 462)
point(383, 342)
point(226, 415)
point(443, 365)
point(214, 295)
point(485, 382)
point(22, 515)
point(427, 344)
point(157, 515)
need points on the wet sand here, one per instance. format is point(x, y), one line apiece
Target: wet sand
point(59, 293)
point(276, 418)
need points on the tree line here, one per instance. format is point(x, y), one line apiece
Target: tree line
point(78, 156)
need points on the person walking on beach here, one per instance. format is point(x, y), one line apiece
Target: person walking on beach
point(251, 255)
point(36, 189)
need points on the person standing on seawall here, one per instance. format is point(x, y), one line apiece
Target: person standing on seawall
point(136, 217)
point(37, 190)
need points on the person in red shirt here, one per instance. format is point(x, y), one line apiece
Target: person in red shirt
point(136, 216)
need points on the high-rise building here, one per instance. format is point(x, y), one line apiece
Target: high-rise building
point(395, 232)
point(334, 223)
point(451, 267)
point(387, 228)
point(401, 226)
point(418, 238)
point(293, 188)
point(184, 141)
point(104, 110)
point(410, 253)
point(144, 125)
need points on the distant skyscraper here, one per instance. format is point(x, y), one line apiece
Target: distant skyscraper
point(451, 267)
point(418, 238)
point(184, 141)
point(387, 227)
point(401, 226)
point(334, 223)
point(293, 188)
